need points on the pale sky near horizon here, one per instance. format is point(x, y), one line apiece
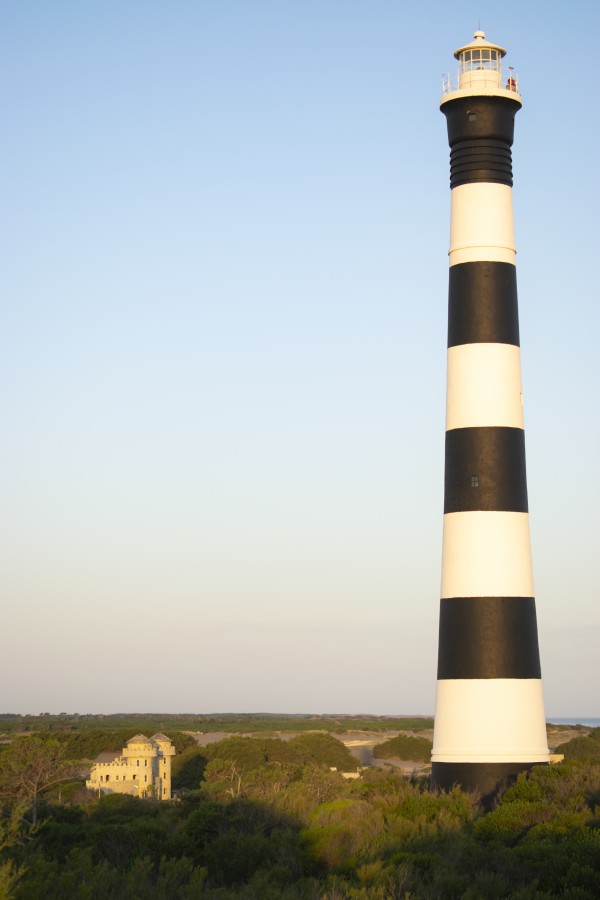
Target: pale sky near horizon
point(223, 307)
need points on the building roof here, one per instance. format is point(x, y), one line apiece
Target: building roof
point(139, 739)
point(107, 756)
point(159, 736)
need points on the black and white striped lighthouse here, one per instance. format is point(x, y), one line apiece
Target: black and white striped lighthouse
point(489, 718)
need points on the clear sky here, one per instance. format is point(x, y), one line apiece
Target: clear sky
point(223, 304)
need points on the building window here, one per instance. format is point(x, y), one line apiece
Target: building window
point(134, 777)
point(145, 778)
point(145, 762)
point(137, 762)
point(474, 480)
point(164, 790)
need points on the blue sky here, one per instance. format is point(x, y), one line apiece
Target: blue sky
point(222, 349)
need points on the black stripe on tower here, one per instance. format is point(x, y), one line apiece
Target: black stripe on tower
point(488, 637)
point(485, 778)
point(485, 470)
point(482, 304)
point(480, 134)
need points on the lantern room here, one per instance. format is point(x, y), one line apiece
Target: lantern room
point(480, 69)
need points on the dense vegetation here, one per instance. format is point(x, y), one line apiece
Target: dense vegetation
point(404, 747)
point(232, 723)
point(258, 826)
point(88, 744)
point(249, 754)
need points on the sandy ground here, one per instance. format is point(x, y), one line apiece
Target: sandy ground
point(558, 736)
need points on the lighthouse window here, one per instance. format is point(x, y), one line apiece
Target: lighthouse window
point(479, 59)
point(474, 481)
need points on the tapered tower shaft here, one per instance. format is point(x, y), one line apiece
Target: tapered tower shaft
point(489, 722)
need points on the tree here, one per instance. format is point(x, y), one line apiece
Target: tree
point(30, 766)
point(10, 874)
point(224, 775)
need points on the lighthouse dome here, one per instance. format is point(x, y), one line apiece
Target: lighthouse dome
point(479, 43)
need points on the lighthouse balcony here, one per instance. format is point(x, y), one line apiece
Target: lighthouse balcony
point(487, 78)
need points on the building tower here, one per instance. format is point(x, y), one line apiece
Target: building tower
point(489, 719)
point(162, 775)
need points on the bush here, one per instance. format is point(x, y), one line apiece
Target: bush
point(417, 749)
point(325, 750)
point(583, 747)
point(187, 768)
point(510, 820)
point(305, 749)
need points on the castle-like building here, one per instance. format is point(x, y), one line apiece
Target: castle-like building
point(142, 768)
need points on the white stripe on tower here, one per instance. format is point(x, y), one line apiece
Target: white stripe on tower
point(481, 224)
point(489, 722)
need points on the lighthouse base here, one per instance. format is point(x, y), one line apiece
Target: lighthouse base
point(488, 779)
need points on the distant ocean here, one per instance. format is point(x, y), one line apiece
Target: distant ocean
point(590, 723)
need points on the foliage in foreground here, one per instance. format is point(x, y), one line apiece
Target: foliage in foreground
point(283, 830)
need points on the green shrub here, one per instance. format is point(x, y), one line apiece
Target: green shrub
point(417, 749)
point(187, 768)
point(583, 747)
point(306, 749)
point(510, 820)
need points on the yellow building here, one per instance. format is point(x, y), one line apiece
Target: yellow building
point(142, 769)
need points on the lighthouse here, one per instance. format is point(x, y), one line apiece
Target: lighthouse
point(489, 717)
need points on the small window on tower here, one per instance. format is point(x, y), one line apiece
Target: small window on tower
point(474, 480)
point(472, 117)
